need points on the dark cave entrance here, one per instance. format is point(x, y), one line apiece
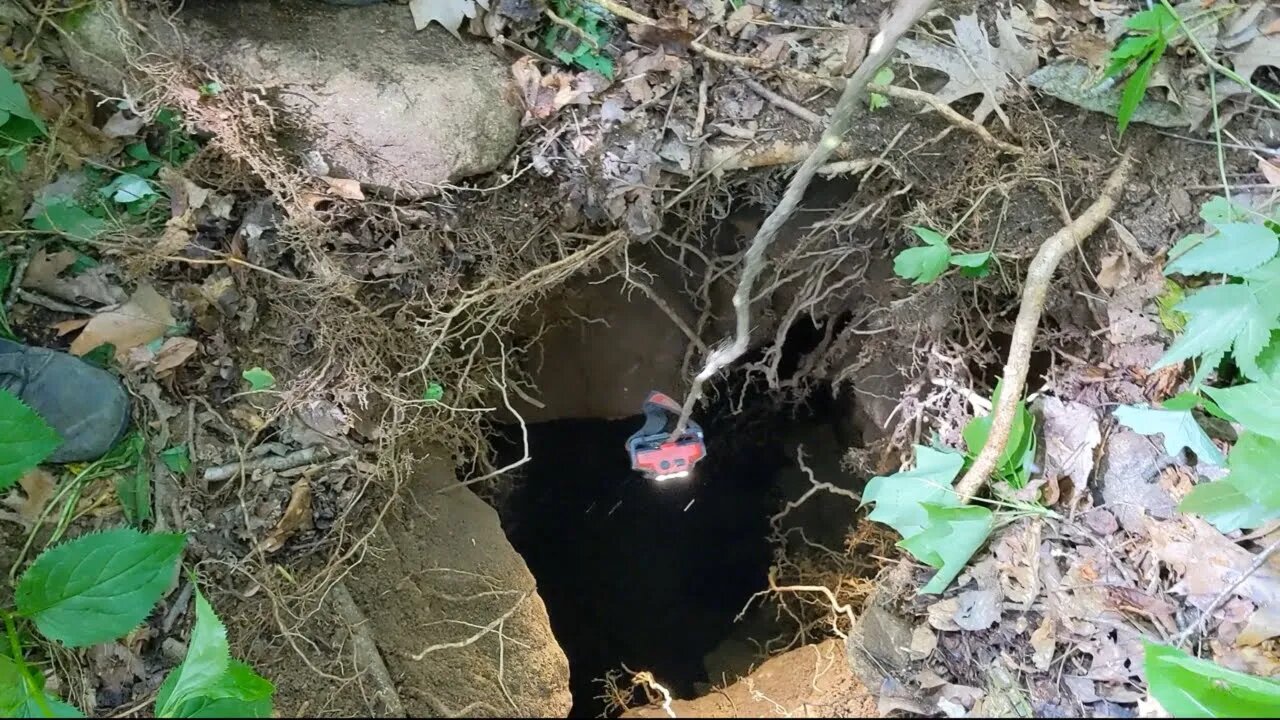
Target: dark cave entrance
point(650, 575)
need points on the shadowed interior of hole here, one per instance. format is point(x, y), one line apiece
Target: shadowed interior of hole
point(644, 573)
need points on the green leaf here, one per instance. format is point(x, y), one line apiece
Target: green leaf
point(922, 264)
point(19, 700)
point(971, 260)
point(1188, 400)
point(1190, 687)
point(258, 379)
point(1014, 461)
point(68, 218)
point(1136, 87)
point(930, 237)
point(128, 188)
point(138, 151)
point(951, 537)
point(25, 439)
point(98, 587)
point(1155, 20)
point(433, 393)
point(1249, 495)
point(1179, 428)
point(238, 693)
point(1254, 405)
point(1236, 249)
point(208, 656)
point(1172, 319)
point(177, 459)
point(1217, 316)
point(1218, 210)
point(900, 498)
point(13, 101)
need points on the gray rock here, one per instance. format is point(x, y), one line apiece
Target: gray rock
point(94, 42)
point(877, 647)
point(369, 97)
point(393, 107)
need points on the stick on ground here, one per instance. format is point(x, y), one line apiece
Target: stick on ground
point(1034, 291)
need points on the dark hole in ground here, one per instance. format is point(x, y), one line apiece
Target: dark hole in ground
point(643, 573)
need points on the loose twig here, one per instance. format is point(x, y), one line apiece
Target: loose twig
point(1257, 563)
point(306, 456)
point(904, 16)
point(785, 103)
point(1034, 291)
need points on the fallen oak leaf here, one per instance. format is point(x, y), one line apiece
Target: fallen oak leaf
point(144, 318)
point(973, 65)
point(297, 514)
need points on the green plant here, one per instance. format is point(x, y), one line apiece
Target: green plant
point(926, 263)
point(25, 439)
point(258, 379)
point(883, 76)
point(100, 587)
point(6, 278)
point(1189, 687)
point(921, 505)
point(1015, 463)
point(18, 124)
point(586, 47)
point(1150, 34)
point(1240, 315)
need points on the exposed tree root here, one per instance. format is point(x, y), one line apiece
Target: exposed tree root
point(903, 17)
point(1034, 291)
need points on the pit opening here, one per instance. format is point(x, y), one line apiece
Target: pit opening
point(652, 575)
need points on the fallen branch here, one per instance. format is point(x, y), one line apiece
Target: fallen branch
point(1196, 626)
point(903, 17)
point(1034, 291)
point(366, 655)
point(306, 456)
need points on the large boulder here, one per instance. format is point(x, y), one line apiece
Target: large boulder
point(453, 609)
point(380, 102)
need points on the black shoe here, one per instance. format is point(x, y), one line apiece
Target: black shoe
point(87, 406)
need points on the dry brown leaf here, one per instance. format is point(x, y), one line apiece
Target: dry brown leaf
point(43, 274)
point(973, 66)
point(119, 126)
point(1208, 561)
point(296, 516)
point(1262, 625)
point(1270, 170)
point(344, 188)
point(173, 353)
point(942, 615)
point(978, 609)
point(1044, 642)
point(923, 642)
point(38, 486)
point(1115, 271)
point(1071, 434)
point(66, 326)
point(144, 318)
